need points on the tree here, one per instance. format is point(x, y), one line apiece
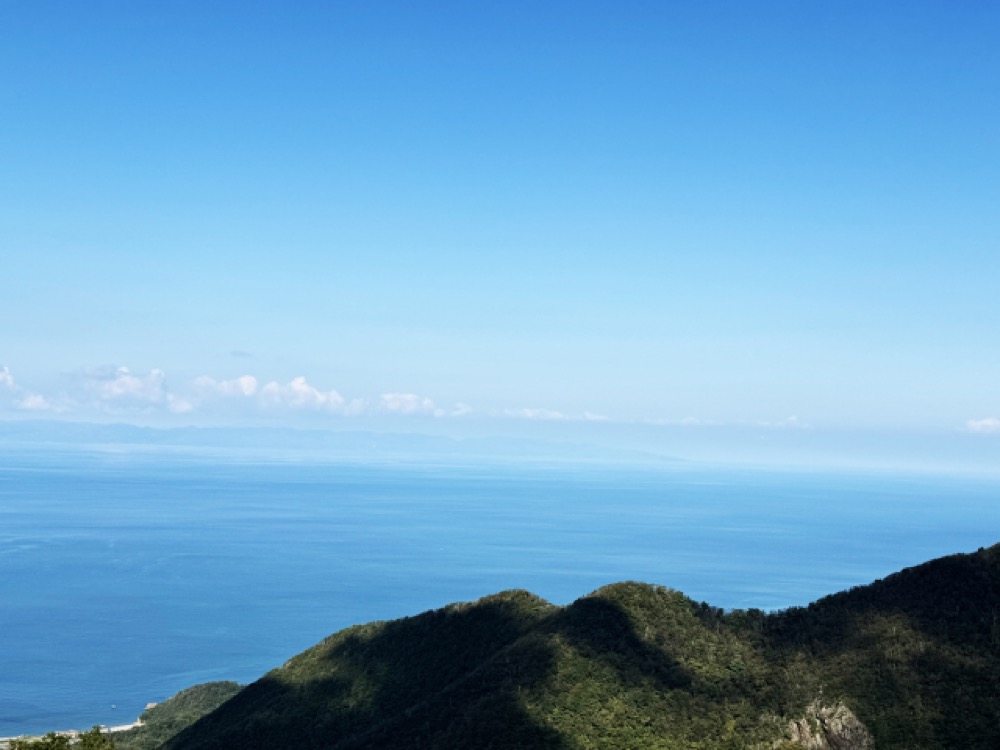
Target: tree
point(95, 739)
point(51, 741)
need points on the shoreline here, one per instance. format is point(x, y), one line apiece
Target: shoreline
point(71, 733)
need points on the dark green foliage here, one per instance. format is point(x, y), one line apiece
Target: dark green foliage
point(364, 677)
point(95, 739)
point(917, 653)
point(50, 741)
point(166, 719)
point(915, 656)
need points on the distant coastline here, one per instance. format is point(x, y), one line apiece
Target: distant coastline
point(72, 733)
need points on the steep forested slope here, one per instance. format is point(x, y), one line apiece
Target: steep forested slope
point(914, 657)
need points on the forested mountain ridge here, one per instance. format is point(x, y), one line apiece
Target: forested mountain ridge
point(911, 661)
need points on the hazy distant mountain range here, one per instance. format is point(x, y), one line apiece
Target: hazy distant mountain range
point(364, 446)
point(481, 442)
point(910, 661)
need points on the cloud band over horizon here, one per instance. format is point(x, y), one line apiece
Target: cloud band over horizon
point(118, 391)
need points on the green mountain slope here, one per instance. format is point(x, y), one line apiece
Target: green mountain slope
point(163, 720)
point(912, 661)
point(918, 653)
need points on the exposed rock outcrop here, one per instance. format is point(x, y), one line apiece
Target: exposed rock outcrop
point(829, 727)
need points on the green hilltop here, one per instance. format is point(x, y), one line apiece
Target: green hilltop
point(911, 661)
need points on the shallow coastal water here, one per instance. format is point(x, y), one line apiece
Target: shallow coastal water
point(125, 579)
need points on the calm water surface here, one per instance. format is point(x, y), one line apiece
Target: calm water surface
point(122, 582)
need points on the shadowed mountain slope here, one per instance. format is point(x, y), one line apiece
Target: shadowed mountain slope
point(163, 720)
point(911, 661)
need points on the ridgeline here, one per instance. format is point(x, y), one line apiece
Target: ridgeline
point(911, 661)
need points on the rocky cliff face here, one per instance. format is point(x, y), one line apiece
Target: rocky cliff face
point(829, 727)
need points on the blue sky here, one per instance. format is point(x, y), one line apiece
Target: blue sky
point(777, 215)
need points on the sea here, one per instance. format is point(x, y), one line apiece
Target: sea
point(125, 578)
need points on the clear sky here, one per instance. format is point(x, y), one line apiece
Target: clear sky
point(774, 214)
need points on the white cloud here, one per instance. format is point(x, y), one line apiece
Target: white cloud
point(458, 410)
point(33, 402)
point(405, 403)
point(788, 423)
point(116, 388)
point(22, 399)
point(545, 414)
point(298, 394)
point(682, 422)
point(791, 423)
point(120, 385)
point(245, 385)
point(983, 426)
point(179, 405)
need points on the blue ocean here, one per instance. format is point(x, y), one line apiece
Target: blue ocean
point(124, 579)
